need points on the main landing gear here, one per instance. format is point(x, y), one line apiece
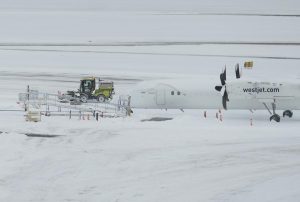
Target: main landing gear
point(274, 116)
point(288, 113)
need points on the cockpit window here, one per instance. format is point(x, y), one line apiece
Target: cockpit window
point(172, 93)
point(178, 93)
point(149, 91)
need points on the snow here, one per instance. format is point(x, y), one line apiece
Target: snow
point(108, 27)
point(228, 6)
point(188, 158)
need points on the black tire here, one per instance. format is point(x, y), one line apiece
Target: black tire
point(288, 113)
point(101, 98)
point(275, 117)
point(84, 98)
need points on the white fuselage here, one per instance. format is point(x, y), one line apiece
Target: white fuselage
point(197, 94)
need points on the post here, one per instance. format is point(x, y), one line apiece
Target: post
point(27, 104)
point(97, 116)
point(129, 104)
point(48, 110)
point(119, 103)
point(70, 115)
point(205, 115)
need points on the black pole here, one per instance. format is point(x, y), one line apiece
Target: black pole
point(26, 105)
point(70, 116)
point(97, 116)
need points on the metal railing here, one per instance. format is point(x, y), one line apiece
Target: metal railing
point(36, 101)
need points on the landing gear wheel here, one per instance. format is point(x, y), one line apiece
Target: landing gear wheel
point(275, 117)
point(288, 113)
point(84, 98)
point(101, 98)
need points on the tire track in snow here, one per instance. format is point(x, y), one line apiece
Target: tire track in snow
point(157, 43)
point(232, 14)
point(159, 54)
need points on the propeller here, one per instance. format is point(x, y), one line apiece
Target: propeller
point(222, 89)
point(237, 71)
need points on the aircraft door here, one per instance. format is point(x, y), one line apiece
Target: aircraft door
point(160, 97)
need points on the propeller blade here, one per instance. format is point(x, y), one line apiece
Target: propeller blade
point(224, 102)
point(218, 88)
point(237, 71)
point(222, 89)
point(226, 95)
point(222, 79)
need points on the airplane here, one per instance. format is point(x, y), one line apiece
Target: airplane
point(203, 94)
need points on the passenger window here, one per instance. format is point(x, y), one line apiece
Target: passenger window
point(172, 92)
point(178, 93)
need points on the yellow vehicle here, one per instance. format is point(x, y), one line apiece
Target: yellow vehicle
point(88, 90)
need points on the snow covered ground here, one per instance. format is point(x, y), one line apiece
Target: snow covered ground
point(189, 158)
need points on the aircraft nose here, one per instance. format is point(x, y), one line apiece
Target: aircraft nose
point(136, 100)
point(140, 99)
